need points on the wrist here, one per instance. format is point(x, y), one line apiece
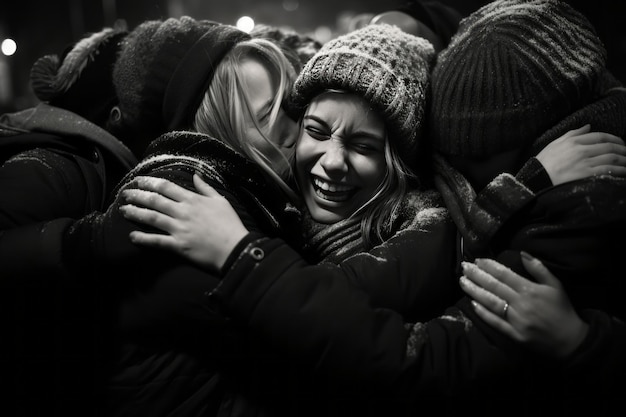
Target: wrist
point(575, 338)
point(239, 249)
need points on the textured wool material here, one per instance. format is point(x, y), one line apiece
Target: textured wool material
point(81, 79)
point(165, 68)
point(479, 218)
point(513, 70)
point(336, 242)
point(387, 67)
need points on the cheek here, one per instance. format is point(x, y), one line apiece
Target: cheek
point(370, 170)
point(306, 152)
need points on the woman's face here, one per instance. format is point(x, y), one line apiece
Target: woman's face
point(261, 90)
point(340, 156)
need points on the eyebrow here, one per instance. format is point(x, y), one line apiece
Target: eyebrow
point(360, 133)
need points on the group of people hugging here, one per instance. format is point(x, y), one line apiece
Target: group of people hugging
point(422, 216)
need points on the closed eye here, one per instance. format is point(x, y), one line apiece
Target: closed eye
point(317, 132)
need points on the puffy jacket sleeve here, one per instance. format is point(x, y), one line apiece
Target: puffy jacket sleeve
point(34, 252)
point(40, 185)
point(411, 273)
point(598, 364)
point(334, 327)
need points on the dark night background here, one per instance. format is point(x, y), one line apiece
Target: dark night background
point(43, 27)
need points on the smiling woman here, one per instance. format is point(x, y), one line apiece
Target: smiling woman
point(340, 156)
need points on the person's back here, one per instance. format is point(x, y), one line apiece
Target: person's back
point(57, 161)
point(193, 78)
point(517, 76)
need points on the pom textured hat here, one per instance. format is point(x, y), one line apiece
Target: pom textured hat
point(514, 69)
point(81, 79)
point(165, 68)
point(386, 66)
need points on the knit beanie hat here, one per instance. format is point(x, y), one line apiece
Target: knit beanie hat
point(165, 68)
point(81, 79)
point(386, 66)
point(298, 48)
point(514, 69)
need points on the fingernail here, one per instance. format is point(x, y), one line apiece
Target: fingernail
point(462, 280)
point(465, 265)
point(474, 304)
point(527, 256)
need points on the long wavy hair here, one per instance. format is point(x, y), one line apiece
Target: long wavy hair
point(225, 106)
point(382, 209)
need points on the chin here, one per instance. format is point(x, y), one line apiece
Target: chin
point(324, 216)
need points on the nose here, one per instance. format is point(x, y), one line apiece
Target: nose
point(334, 158)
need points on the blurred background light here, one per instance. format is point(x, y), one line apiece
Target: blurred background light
point(245, 24)
point(8, 47)
point(42, 27)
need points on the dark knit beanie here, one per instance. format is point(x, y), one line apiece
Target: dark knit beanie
point(386, 66)
point(165, 68)
point(514, 69)
point(81, 79)
point(298, 48)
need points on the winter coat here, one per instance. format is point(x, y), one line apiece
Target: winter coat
point(455, 361)
point(169, 354)
point(576, 229)
point(167, 298)
point(54, 165)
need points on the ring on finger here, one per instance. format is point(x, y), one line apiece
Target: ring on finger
point(505, 310)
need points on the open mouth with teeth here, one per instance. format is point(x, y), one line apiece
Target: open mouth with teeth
point(334, 192)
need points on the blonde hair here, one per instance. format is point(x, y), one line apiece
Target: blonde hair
point(225, 106)
point(379, 212)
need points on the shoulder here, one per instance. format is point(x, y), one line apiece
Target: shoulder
point(421, 208)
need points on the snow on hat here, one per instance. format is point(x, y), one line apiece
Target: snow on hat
point(386, 66)
point(514, 69)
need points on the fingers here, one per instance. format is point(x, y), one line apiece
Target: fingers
point(152, 239)
point(147, 217)
point(164, 187)
point(577, 132)
point(496, 277)
point(539, 271)
point(496, 321)
point(480, 294)
point(149, 200)
point(203, 188)
point(607, 164)
point(591, 138)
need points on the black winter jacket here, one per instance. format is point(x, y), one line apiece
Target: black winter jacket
point(169, 354)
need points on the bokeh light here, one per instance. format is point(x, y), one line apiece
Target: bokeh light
point(8, 47)
point(245, 23)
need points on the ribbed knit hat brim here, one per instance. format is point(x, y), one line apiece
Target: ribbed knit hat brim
point(513, 70)
point(386, 66)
